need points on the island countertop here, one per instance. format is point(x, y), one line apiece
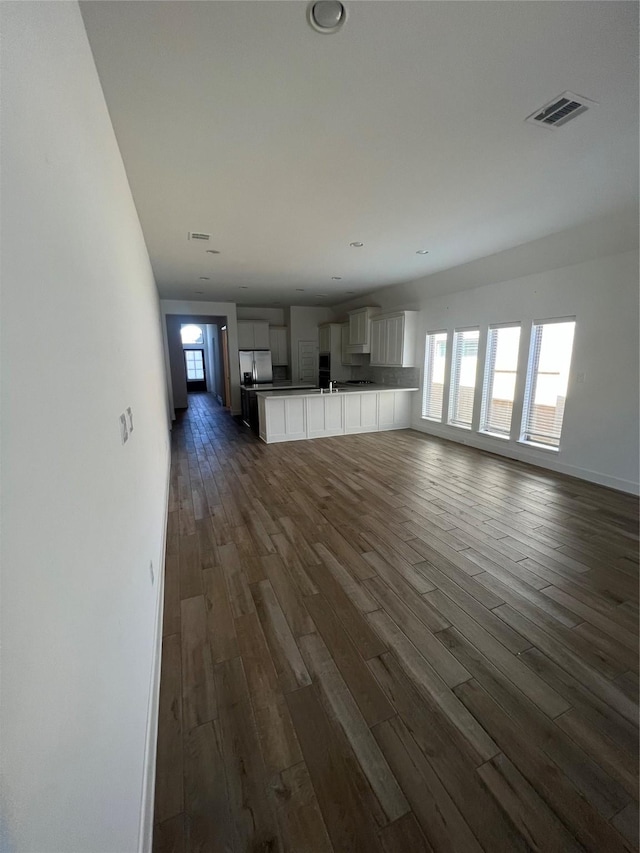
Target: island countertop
point(352, 389)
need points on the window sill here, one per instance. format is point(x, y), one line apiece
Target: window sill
point(537, 446)
point(493, 434)
point(459, 426)
point(431, 420)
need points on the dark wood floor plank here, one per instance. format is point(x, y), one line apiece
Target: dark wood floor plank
point(440, 819)
point(169, 799)
point(370, 699)
point(198, 689)
point(593, 831)
point(469, 625)
point(254, 823)
point(208, 819)
point(346, 816)
point(536, 822)
point(298, 812)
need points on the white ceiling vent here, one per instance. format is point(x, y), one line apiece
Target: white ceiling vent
point(560, 110)
point(198, 235)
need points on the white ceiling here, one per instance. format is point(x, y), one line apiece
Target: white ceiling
point(405, 130)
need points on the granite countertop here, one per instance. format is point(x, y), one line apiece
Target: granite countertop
point(348, 389)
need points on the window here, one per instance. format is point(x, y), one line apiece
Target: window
point(499, 384)
point(463, 377)
point(547, 380)
point(194, 360)
point(434, 360)
point(191, 334)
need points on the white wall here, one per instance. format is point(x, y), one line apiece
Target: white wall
point(600, 431)
point(304, 322)
point(82, 514)
point(273, 316)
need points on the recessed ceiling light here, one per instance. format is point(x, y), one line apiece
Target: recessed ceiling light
point(336, 278)
point(350, 291)
point(204, 278)
point(199, 292)
point(422, 252)
point(320, 295)
point(244, 287)
point(357, 245)
point(326, 16)
point(300, 289)
point(212, 252)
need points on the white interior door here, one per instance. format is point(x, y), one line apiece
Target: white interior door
point(308, 361)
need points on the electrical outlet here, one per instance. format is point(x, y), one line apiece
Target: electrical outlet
point(151, 573)
point(130, 418)
point(124, 432)
point(580, 378)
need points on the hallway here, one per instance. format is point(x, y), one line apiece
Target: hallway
point(389, 642)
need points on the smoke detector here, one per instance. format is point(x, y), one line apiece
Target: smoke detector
point(560, 110)
point(326, 16)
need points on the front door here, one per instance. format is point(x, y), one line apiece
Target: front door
point(194, 365)
point(308, 361)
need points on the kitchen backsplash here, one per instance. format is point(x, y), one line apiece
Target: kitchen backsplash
point(389, 375)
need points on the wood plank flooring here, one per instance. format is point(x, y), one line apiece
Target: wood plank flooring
point(389, 642)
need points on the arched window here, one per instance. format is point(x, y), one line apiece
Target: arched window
point(191, 334)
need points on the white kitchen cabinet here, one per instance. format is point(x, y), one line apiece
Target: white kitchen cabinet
point(278, 345)
point(394, 410)
point(361, 412)
point(282, 419)
point(324, 337)
point(330, 341)
point(313, 415)
point(325, 415)
point(393, 339)
point(253, 334)
point(360, 330)
point(347, 358)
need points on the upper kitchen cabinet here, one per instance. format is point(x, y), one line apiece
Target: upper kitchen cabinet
point(324, 337)
point(253, 334)
point(360, 330)
point(278, 345)
point(393, 339)
point(347, 358)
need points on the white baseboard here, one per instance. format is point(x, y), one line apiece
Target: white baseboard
point(545, 459)
point(145, 832)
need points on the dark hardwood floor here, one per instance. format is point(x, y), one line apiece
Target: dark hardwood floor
point(389, 642)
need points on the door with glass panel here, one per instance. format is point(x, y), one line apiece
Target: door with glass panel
point(194, 365)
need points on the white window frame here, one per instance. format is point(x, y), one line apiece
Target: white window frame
point(532, 376)
point(489, 378)
point(454, 383)
point(426, 377)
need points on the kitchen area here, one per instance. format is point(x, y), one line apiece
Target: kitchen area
point(363, 378)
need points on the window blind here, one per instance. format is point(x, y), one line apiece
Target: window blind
point(435, 353)
point(547, 380)
point(498, 388)
point(463, 376)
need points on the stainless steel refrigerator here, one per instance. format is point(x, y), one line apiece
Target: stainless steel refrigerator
point(257, 364)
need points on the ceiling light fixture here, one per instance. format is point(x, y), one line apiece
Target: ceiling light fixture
point(357, 245)
point(326, 16)
point(300, 289)
point(199, 292)
point(204, 278)
point(321, 295)
point(212, 252)
point(422, 252)
point(244, 287)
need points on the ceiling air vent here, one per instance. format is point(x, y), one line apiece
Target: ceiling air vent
point(198, 235)
point(560, 110)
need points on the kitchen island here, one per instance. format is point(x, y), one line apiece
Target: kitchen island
point(297, 415)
